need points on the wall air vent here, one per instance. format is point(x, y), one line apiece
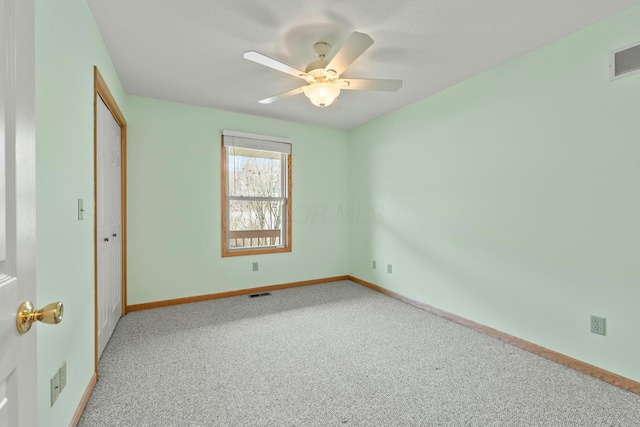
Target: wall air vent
point(625, 62)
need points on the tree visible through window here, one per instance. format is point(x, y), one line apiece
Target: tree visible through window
point(256, 194)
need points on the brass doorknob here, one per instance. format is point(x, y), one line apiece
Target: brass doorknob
point(27, 314)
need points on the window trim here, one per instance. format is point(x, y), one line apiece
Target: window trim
point(226, 252)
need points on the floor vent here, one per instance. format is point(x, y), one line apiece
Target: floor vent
point(263, 294)
point(625, 62)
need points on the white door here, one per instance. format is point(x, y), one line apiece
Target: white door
point(18, 378)
point(109, 211)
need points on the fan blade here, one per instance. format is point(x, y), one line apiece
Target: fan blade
point(282, 96)
point(355, 46)
point(275, 64)
point(370, 84)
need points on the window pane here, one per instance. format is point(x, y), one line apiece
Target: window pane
point(255, 223)
point(254, 173)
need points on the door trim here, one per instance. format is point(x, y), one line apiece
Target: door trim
point(102, 90)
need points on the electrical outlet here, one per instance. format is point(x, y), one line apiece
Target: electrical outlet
point(55, 387)
point(63, 375)
point(389, 268)
point(373, 264)
point(255, 266)
point(598, 325)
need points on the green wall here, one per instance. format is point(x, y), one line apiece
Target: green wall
point(173, 196)
point(68, 45)
point(174, 207)
point(513, 199)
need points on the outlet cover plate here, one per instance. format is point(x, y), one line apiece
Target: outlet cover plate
point(254, 266)
point(598, 325)
point(389, 268)
point(373, 264)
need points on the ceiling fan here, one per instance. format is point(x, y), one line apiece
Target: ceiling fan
point(323, 76)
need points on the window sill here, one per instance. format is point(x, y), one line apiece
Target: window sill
point(254, 251)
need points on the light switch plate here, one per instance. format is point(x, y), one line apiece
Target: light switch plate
point(80, 209)
point(55, 387)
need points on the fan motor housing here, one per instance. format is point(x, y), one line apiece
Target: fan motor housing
point(317, 68)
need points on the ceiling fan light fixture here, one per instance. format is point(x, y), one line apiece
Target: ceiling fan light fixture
point(323, 75)
point(322, 94)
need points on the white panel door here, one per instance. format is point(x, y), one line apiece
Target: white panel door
point(109, 205)
point(18, 378)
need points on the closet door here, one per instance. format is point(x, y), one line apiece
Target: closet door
point(109, 223)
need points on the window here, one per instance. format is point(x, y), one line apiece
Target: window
point(256, 194)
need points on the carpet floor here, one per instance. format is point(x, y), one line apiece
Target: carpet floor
point(335, 354)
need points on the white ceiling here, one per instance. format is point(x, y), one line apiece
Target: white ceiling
point(190, 51)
